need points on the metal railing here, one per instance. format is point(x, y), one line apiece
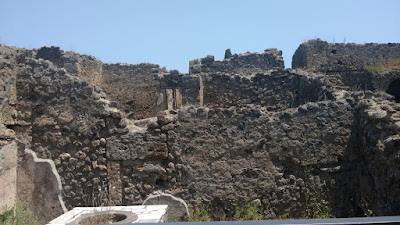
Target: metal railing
point(339, 221)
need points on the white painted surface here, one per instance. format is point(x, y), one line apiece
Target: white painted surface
point(145, 213)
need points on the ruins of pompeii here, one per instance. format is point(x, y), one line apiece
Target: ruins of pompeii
point(75, 131)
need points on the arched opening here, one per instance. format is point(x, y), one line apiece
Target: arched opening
point(394, 89)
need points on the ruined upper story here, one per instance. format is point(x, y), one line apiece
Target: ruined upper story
point(247, 63)
point(143, 90)
point(321, 56)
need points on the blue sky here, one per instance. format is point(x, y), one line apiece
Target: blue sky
point(172, 32)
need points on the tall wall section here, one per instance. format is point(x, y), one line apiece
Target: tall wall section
point(319, 55)
point(67, 120)
point(274, 90)
point(359, 67)
point(379, 124)
point(131, 87)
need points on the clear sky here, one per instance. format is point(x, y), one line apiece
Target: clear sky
point(172, 32)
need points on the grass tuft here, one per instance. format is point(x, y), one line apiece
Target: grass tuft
point(17, 216)
point(377, 68)
point(316, 203)
point(249, 210)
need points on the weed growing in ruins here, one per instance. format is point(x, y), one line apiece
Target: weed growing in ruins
point(364, 206)
point(17, 216)
point(284, 216)
point(315, 200)
point(375, 69)
point(250, 210)
point(200, 214)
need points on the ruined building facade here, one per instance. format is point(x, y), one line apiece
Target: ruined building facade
point(244, 128)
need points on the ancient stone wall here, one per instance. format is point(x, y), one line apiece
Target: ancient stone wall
point(270, 136)
point(68, 120)
point(318, 55)
point(245, 64)
point(275, 90)
point(176, 90)
point(251, 154)
point(131, 87)
point(354, 80)
point(9, 116)
point(379, 124)
point(84, 66)
point(388, 81)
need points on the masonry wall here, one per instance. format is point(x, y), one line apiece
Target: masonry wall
point(245, 64)
point(9, 116)
point(318, 55)
point(85, 66)
point(379, 123)
point(267, 137)
point(275, 90)
point(68, 122)
point(176, 90)
point(131, 87)
point(251, 154)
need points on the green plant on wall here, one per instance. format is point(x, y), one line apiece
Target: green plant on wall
point(242, 210)
point(377, 68)
point(201, 213)
point(248, 211)
point(373, 69)
point(17, 216)
point(364, 206)
point(316, 203)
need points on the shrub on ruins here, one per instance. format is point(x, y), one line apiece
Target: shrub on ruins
point(316, 203)
point(240, 210)
point(228, 53)
point(247, 211)
point(17, 216)
point(373, 69)
point(377, 68)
